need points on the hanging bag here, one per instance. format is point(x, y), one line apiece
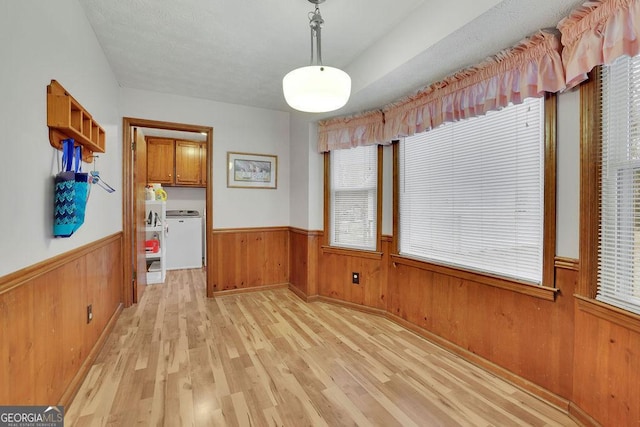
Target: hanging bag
point(65, 194)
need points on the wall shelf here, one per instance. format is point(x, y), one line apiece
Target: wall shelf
point(66, 118)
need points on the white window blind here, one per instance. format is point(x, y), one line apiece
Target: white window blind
point(619, 239)
point(471, 193)
point(354, 181)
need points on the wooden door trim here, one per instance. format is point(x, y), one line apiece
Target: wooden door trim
point(127, 197)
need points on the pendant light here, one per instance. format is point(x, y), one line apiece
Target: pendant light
point(316, 88)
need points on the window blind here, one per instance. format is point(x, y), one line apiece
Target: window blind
point(471, 193)
point(354, 181)
point(619, 238)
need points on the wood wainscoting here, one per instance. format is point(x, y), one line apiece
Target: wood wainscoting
point(47, 343)
point(246, 259)
point(529, 337)
point(335, 275)
point(606, 365)
point(561, 349)
point(303, 259)
point(523, 338)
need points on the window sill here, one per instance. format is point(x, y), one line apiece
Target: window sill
point(608, 312)
point(542, 292)
point(360, 253)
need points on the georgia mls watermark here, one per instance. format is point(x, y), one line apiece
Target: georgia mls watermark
point(31, 416)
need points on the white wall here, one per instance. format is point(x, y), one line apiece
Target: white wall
point(307, 174)
point(235, 128)
point(568, 175)
point(186, 198)
point(44, 40)
point(300, 148)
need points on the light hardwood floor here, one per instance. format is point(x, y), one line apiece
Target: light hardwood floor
point(270, 359)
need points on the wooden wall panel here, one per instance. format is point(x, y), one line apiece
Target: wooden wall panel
point(528, 336)
point(45, 336)
point(607, 368)
point(334, 279)
point(303, 259)
point(528, 340)
point(250, 258)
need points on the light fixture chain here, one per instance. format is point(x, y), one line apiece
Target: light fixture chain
point(315, 23)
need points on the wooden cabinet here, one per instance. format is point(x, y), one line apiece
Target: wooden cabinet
point(176, 162)
point(188, 170)
point(160, 161)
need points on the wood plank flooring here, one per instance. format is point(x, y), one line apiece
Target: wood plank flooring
point(270, 359)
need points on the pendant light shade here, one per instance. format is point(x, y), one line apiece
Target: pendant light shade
point(316, 88)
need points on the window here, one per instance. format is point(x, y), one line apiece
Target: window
point(353, 204)
point(619, 239)
point(472, 194)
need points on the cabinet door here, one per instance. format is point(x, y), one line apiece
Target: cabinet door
point(160, 160)
point(203, 164)
point(188, 169)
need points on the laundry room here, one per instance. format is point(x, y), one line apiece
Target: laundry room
point(175, 201)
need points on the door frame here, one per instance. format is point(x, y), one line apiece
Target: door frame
point(128, 123)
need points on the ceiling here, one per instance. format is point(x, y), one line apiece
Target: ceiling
point(237, 52)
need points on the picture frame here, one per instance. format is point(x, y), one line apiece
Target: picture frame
point(252, 170)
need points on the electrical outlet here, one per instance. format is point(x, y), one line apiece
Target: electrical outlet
point(355, 278)
point(89, 313)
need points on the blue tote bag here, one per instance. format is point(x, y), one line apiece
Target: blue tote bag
point(64, 217)
point(71, 192)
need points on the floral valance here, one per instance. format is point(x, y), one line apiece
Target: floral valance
point(529, 69)
point(349, 132)
point(598, 33)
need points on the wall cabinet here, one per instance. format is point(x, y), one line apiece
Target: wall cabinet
point(188, 171)
point(160, 161)
point(176, 162)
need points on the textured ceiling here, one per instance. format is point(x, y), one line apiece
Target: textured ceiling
point(238, 51)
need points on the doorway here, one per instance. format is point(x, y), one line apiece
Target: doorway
point(133, 193)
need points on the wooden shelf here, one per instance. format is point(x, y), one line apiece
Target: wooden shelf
point(66, 118)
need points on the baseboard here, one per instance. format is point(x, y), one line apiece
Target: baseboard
point(250, 289)
point(299, 293)
point(533, 389)
point(581, 417)
point(561, 404)
point(73, 387)
point(351, 305)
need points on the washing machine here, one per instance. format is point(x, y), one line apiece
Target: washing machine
point(184, 239)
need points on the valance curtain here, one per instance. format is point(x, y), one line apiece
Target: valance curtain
point(529, 69)
point(349, 132)
point(597, 33)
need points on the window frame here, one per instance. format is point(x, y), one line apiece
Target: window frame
point(326, 245)
point(590, 193)
point(546, 290)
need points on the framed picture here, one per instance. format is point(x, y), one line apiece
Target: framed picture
point(249, 170)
